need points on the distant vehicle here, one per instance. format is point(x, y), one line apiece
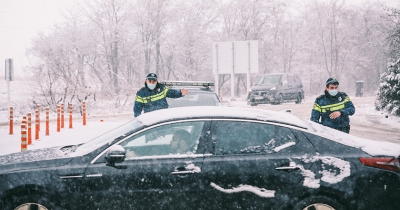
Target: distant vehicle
point(276, 89)
point(210, 157)
point(200, 94)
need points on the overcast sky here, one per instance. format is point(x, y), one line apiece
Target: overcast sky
point(20, 20)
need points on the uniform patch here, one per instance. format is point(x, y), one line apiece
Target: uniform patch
point(340, 98)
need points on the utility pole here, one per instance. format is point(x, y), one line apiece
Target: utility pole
point(9, 76)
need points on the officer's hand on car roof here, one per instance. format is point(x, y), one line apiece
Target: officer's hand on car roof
point(184, 91)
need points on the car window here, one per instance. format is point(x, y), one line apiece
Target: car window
point(248, 137)
point(177, 138)
point(291, 80)
point(108, 137)
point(195, 98)
point(284, 80)
point(269, 79)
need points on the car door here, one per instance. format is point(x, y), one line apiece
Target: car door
point(153, 175)
point(292, 87)
point(285, 90)
point(254, 165)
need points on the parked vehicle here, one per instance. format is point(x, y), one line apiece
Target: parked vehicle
point(234, 158)
point(276, 89)
point(200, 94)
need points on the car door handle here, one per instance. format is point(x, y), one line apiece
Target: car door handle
point(184, 172)
point(287, 168)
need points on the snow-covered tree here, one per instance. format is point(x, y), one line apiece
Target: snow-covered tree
point(389, 91)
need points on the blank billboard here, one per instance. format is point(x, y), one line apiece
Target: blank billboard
point(236, 57)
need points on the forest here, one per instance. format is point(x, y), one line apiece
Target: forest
point(103, 49)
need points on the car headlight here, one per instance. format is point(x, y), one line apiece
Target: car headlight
point(272, 89)
point(250, 91)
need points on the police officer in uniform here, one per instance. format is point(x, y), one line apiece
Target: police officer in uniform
point(153, 95)
point(333, 108)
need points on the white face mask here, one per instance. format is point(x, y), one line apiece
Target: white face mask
point(151, 86)
point(333, 92)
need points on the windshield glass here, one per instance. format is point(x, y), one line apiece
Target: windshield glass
point(195, 99)
point(107, 137)
point(269, 79)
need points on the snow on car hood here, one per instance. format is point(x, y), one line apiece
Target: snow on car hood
point(220, 111)
point(374, 148)
point(47, 157)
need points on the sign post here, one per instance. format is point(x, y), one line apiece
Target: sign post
point(238, 57)
point(9, 76)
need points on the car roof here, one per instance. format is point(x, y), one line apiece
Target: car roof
point(212, 112)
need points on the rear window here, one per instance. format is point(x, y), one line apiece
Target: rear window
point(194, 98)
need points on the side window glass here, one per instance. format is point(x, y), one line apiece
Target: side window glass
point(177, 138)
point(246, 137)
point(284, 138)
point(242, 137)
point(291, 80)
point(284, 80)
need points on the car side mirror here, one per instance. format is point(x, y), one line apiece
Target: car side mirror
point(116, 154)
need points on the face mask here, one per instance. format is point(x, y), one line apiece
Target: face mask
point(333, 92)
point(151, 86)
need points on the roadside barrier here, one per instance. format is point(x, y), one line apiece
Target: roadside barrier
point(58, 118)
point(38, 108)
point(37, 124)
point(62, 115)
point(47, 121)
point(11, 120)
point(84, 112)
point(70, 115)
point(24, 145)
point(29, 128)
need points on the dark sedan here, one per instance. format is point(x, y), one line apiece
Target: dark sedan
point(207, 158)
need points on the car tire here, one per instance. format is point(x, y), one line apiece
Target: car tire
point(253, 104)
point(298, 99)
point(28, 202)
point(319, 203)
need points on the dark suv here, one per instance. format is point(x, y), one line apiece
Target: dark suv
point(276, 89)
point(200, 94)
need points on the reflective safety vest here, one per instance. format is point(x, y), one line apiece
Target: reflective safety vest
point(149, 100)
point(325, 104)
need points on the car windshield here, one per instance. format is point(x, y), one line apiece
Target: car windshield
point(193, 98)
point(269, 79)
point(107, 137)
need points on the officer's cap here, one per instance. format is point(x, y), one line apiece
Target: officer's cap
point(332, 81)
point(151, 76)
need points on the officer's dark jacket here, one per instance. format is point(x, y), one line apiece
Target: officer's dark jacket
point(150, 100)
point(326, 104)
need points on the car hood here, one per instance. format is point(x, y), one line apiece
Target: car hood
point(263, 87)
point(40, 158)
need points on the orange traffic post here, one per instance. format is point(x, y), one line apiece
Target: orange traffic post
point(70, 115)
point(84, 112)
point(24, 145)
point(62, 115)
point(29, 128)
point(11, 120)
point(38, 108)
point(37, 124)
point(47, 121)
point(58, 118)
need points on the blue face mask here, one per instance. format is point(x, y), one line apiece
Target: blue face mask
point(333, 92)
point(151, 86)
